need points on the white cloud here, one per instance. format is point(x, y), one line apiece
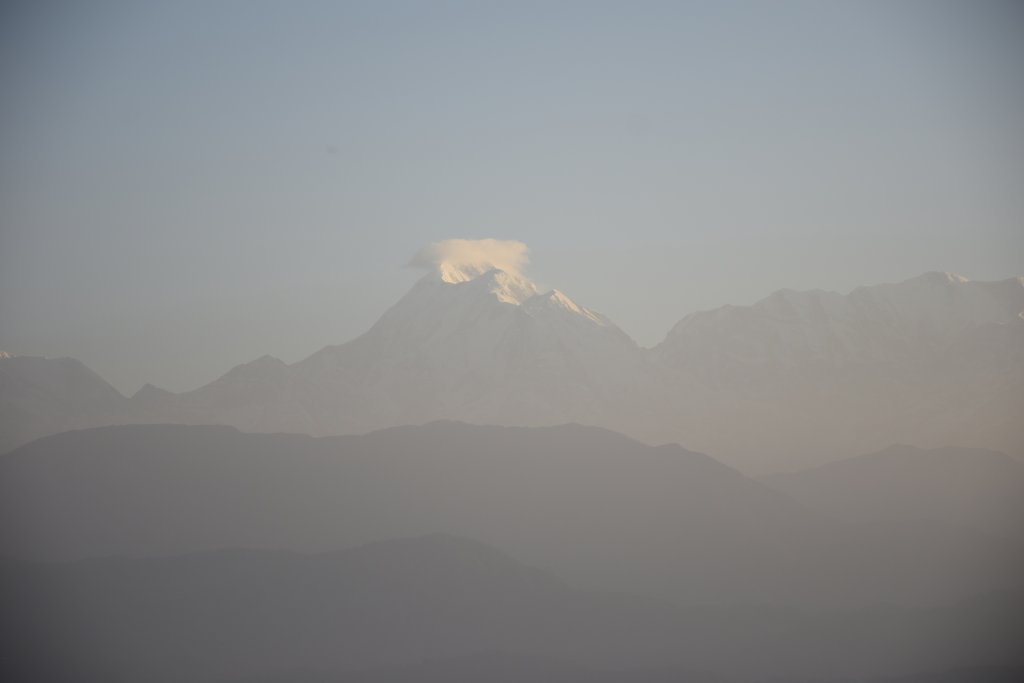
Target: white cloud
point(459, 260)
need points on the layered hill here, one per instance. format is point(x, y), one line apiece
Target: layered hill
point(40, 396)
point(598, 509)
point(969, 488)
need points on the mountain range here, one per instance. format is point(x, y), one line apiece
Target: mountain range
point(795, 380)
point(598, 509)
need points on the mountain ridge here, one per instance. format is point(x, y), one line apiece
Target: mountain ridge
point(634, 513)
point(796, 379)
point(970, 488)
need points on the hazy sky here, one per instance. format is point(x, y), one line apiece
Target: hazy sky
point(189, 186)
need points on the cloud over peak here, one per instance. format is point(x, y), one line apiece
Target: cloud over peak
point(459, 260)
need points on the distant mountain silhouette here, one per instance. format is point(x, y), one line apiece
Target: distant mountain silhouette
point(40, 396)
point(432, 608)
point(966, 487)
point(595, 507)
point(803, 378)
point(484, 346)
point(795, 380)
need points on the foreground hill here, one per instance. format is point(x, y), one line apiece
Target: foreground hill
point(965, 487)
point(597, 508)
point(433, 608)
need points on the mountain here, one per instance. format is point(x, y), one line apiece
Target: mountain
point(486, 347)
point(40, 396)
point(599, 509)
point(796, 380)
point(922, 316)
point(439, 608)
point(801, 378)
point(965, 487)
point(492, 349)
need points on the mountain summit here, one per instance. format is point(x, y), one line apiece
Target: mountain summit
point(474, 340)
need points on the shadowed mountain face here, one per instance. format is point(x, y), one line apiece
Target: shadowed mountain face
point(959, 486)
point(598, 509)
point(798, 379)
point(231, 615)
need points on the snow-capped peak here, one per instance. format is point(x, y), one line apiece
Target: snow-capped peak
point(559, 300)
point(494, 267)
point(509, 288)
point(458, 273)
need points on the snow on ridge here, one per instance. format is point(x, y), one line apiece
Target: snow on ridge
point(509, 288)
point(560, 300)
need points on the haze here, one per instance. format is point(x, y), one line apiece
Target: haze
point(190, 186)
point(512, 342)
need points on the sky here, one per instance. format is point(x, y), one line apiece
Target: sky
point(189, 186)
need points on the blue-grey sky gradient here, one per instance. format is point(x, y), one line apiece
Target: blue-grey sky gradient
point(187, 186)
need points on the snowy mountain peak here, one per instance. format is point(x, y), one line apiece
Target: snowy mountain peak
point(512, 289)
point(458, 273)
point(509, 288)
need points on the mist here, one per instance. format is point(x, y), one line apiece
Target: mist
point(520, 342)
point(472, 258)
